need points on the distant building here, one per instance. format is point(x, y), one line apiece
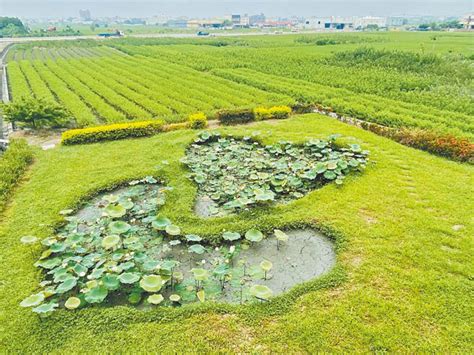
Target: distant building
point(206, 23)
point(85, 15)
point(367, 21)
point(235, 19)
point(468, 22)
point(257, 20)
point(177, 23)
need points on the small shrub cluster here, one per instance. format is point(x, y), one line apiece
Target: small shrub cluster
point(112, 132)
point(13, 164)
point(197, 121)
point(238, 116)
point(460, 149)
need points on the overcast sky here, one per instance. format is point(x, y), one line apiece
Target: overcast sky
point(204, 8)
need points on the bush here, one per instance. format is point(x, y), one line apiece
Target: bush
point(280, 112)
point(302, 107)
point(262, 113)
point(112, 132)
point(197, 121)
point(13, 164)
point(231, 117)
point(460, 149)
point(36, 113)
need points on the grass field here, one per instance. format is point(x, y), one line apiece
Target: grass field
point(403, 232)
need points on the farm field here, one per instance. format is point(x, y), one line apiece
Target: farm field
point(194, 204)
point(428, 85)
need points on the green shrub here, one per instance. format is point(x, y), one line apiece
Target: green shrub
point(236, 116)
point(262, 113)
point(280, 112)
point(13, 164)
point(197, 120)
point(112, 132)
point(36, 113)
point(302, 107)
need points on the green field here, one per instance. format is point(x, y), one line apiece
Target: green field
point(401, 228)
point(394, 79)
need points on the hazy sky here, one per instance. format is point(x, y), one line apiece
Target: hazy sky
point(201, 8)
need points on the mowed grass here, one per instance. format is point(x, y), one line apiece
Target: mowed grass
point(403, 232)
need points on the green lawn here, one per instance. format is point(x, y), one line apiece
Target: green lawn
point(403, 281)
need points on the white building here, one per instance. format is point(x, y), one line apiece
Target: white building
point(366, 21)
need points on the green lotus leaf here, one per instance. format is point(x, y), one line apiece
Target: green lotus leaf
point(111, 282)
point(266, 265)
point(330, 175)
point(129, 277)
point(135, 297)
point(155, 299)
point(161, 223)
point(200, 274)
point(197, 248)
point(92, 284)
point(72, 303)
point(66, 212)
point(119, 227)
point(66, 285)
point(281, 236)
point(173, 230)
point(151, 283)
point(49, 263)
point(174, 242)
point(201, 295)
point(127, 204)
point(46, 308)
point(332, 164)
point(261, 292)
point(80, 269)
point(115, 211)
point(111, 198)
point(254, 235)
point(175, 298)
point(96, 295)
point(28, 239)
point(231, 236)
point(57, 247)
point(110, 241)
point(33, 300)
point(221, 270)
point(193, 238)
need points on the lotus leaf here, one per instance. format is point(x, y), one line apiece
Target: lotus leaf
point(281, 236)
point(46, 308)
point(266, 265)
point(110, 241)
point(200, 274)
point(201, 295)
point(231, 236)
point(33, 300)
point(135, 297)
point(161, 223)
point(175, 298)
point(193, 238)
point(173, 230)
point(129, 278)
point(155, 299)
point(29, 239)
point(151, 283)
point(115, 211)
point(119, 227)
point(67, 285)
point(197, 248)
point(254, 235)
point(72, 303)
point(111, 282)
point(261, 292)
point(96, 295)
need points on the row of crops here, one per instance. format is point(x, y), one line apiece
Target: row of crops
point(103, 85)
point(125, 80)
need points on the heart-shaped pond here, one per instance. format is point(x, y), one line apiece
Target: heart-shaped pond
point(115, 249)
point(235, 174)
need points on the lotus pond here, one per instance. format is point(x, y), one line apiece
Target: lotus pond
point(236, 174)
point(117, 248)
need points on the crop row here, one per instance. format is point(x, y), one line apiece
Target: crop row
point(371, 108)
point(18, 84)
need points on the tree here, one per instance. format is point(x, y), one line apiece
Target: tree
point(36, 113)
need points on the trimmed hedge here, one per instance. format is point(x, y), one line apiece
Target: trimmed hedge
point(197, 121)
point(112, 132)
point(238, 116)
point(13, 164)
